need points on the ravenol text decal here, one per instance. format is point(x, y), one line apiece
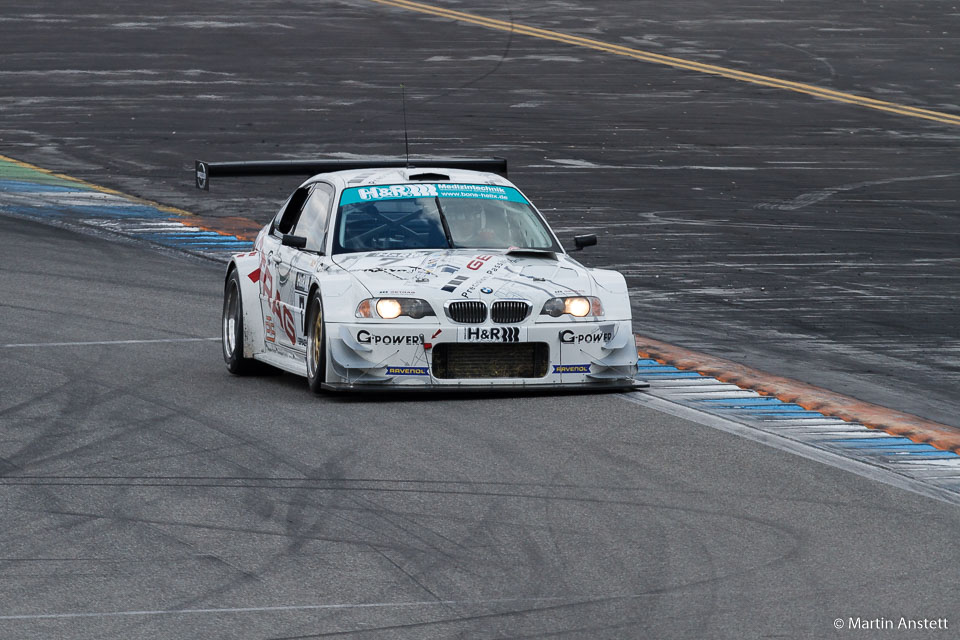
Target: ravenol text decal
point(429, 190)
point(571, 368)
point(407, 371)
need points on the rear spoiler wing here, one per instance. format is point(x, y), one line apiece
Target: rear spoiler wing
point(207, 170)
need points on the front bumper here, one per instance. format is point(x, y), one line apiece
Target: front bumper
point(585, 355)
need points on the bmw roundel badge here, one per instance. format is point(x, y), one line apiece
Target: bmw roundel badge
point(486, 290)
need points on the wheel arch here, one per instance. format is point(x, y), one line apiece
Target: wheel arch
point(316, 384)
point(315, 288)
point(245, 266)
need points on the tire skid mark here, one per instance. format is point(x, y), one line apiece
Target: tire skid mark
point(807, 199)
point(688, 586)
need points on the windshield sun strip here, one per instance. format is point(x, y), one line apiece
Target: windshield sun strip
point(516, 197)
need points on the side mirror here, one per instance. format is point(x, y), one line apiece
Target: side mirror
point(297, 242)
point(583, 242)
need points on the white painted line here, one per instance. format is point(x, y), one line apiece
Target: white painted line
point(710, 394)
point(931, 464)
point(816, 430)
point(102, 342)
point(936, 474)
point(841, 435)
point(308, 607)
point(832, 428)
point(141, 225)
point(816, 422)
point(688, 382)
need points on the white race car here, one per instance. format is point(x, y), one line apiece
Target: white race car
point(381, 275)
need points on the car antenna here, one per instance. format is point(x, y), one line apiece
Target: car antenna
point(406, 141)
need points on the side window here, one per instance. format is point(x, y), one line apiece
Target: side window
point(313, 219)
point(287, 219)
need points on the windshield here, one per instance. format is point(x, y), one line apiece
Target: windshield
point(438, 216)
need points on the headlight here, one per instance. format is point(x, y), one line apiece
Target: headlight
point(577, 306)
point(390, 308)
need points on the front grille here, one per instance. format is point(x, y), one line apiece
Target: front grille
point(470, 311)
point(505, 311)
point(465, 360)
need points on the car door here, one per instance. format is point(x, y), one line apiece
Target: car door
point(297, 266)
point(279, 325)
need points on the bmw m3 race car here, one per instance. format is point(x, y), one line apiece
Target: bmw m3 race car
point(377, 274)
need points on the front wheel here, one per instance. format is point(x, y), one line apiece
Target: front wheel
point(316, 344)
point(232, 332)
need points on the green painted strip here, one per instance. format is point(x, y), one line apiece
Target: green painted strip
point(12, 170)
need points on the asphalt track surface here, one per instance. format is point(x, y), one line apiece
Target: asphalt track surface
point(807, 237)
point(812, 238)
point(147, 493)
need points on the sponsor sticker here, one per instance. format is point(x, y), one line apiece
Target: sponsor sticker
point(571, 368)
point(390, 270)
point(453, 284)
point(567, 336)
point(430, 190)
point(492, 334)
point(303, 281)
point(365, 337)
point(486, 275)
point(270, 333)
point(202, 182)
point(407, 371)
point(397, 191)
point(477, 262)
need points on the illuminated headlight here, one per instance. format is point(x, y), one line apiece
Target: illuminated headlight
point(390, 308)
point(577, 306)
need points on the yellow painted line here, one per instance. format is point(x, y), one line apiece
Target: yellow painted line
point(679, 63)
point(96, 187)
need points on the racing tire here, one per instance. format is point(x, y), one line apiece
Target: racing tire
point(316, 344)
point(232, 329)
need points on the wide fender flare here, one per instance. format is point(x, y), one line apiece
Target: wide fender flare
point(247, 266)
point(341, 293)
point(612, 288)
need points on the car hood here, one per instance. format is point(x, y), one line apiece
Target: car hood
point(458, 274)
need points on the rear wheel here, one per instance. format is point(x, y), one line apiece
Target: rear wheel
point(316, 344)
point(232, 328)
